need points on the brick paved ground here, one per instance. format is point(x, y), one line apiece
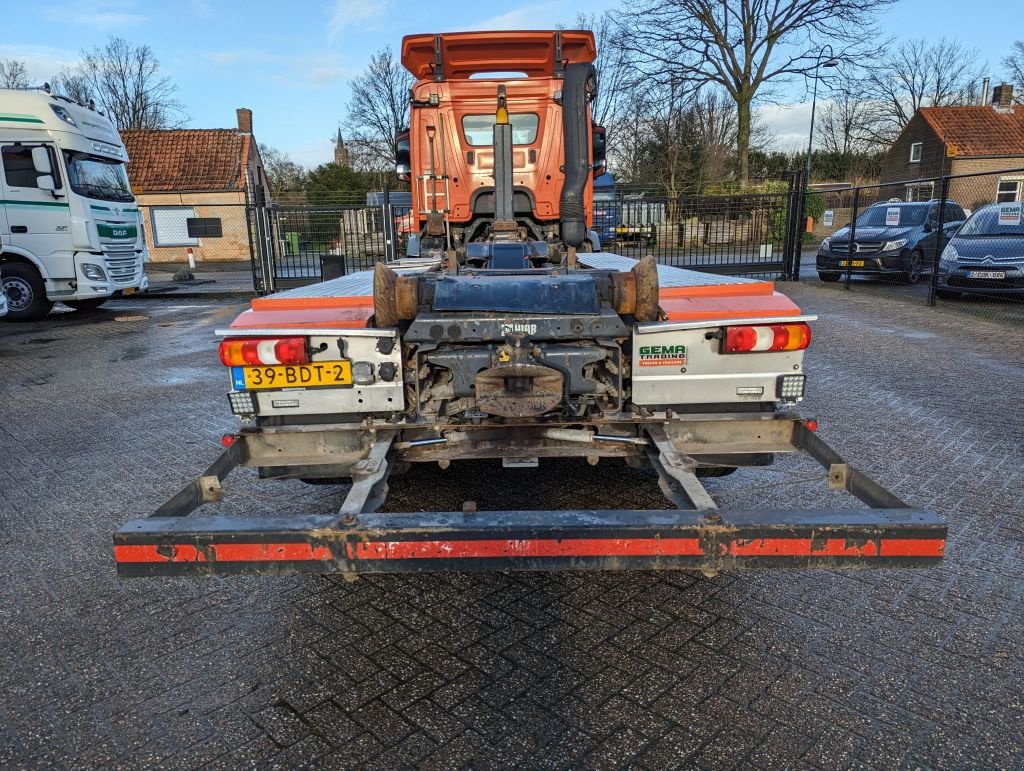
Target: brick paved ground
point(101, 420)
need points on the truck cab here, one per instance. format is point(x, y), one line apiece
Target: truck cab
point(69, 223)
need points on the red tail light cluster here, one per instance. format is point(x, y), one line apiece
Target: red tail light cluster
point(259, 351)
point(769, 337)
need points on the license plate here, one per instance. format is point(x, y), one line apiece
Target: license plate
point(856, 263)
point(986, 274)
point(330, 373)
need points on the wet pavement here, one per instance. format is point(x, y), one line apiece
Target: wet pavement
point(104, 415)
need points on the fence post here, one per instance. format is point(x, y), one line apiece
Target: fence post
point(388, 223)
point(787, 246)
point(801, 220)
point(851, 240)
point(933, 281)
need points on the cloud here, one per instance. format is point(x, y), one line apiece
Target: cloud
point(101, 14)
point(41, 62)
point(352, 13)
point(309, 69)
point(525, 17)
point(202, 9)
point(787, 124)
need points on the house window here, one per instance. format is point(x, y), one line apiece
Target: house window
point(170, 225)
point(1008, 190)
point(915, 152)
point(920, 191)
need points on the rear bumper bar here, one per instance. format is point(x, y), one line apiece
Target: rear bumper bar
point(695, 535)
point(530, 540)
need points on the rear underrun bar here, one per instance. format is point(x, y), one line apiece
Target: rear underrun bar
point(695, 535)
point(530, 540)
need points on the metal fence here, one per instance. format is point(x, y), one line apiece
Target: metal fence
point(956, 242)
point(735, 233)
point(203, 247)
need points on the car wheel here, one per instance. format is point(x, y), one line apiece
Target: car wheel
point(26, 292)
point(914, 269)
point(829, 278)
point(86, 305)
point(945, 294)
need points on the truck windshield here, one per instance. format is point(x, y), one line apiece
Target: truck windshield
point(479, 129)
point(96, 177)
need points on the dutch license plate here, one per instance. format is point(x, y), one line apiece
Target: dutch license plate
point(986, 274)
point(856, 263)
point(329, 373)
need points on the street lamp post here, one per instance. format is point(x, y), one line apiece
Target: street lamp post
point(831, 62)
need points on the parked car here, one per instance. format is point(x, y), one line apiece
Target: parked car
point(894, 238)
point(986, 255)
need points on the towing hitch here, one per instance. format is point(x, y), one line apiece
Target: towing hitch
point(696, 535)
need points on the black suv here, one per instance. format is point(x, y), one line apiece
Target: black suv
point(893, 238)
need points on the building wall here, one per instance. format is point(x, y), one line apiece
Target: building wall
point(229, 207)
point(974, 192)
point(897, 166)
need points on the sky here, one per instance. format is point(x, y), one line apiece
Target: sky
point(290, 60)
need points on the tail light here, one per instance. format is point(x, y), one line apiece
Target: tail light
point(769, 337)
point(235, 352)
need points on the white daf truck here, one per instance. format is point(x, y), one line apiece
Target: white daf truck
point(69, 225)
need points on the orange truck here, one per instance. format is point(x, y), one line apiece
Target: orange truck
point(503, 335)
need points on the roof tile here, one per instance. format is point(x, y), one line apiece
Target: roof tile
point(978, 130)
point(173, 160)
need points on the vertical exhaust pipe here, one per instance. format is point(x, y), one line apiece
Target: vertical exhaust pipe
point(579, 80)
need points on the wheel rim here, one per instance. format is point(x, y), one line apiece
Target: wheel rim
point(19, 293)
point(914, 273)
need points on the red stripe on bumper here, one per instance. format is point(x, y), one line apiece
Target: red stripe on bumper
point(540, 547)
point(223, 552)
point(549, 547)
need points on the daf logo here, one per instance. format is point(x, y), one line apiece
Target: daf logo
point(118, 211)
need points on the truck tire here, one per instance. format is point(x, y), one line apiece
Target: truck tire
point(26, 292)
point(86, 305)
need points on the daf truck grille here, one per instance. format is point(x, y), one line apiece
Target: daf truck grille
point(122, 269)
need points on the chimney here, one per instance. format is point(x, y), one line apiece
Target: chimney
point(244, 120)
point(1002, 96)
point(985, 85)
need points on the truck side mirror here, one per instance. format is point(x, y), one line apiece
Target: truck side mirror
point(403, 156)
point(45, 182)
point(599, 148)
point(41, 162)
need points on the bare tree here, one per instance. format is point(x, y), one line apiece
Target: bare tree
point(13, 74)
point(124, 79)
point(744, 47)
point(377, 109)
point(845, 120)
point(1014, 64)
point(916, 74)
point(73, 84)
point(283, 173)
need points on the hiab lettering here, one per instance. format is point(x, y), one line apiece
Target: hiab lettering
point(662, 355)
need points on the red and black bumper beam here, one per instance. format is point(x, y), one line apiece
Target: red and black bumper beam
point(695, 536)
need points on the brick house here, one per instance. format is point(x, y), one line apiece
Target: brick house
point(192, 184)
point(960, 140)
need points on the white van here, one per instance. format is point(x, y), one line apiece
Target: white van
point(69, 226)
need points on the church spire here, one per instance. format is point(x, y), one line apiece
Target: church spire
point(340, 151)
